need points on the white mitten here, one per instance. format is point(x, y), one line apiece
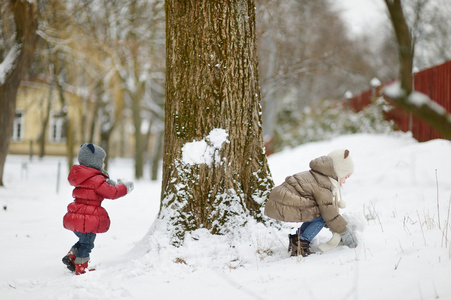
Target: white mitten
point(128, 184)
point(331, 244)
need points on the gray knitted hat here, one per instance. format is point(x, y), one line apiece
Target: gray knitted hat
point(92, 156)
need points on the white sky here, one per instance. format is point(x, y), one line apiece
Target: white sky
point(362, 15)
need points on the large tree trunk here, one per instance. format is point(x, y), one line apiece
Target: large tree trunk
point(21, 55)
point(212, 83)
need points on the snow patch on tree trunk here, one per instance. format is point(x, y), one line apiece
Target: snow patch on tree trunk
point(205, 151)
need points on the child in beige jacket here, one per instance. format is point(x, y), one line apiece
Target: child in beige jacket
point(314, 197)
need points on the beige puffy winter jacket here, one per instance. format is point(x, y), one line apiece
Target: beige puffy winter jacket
point(307, 195)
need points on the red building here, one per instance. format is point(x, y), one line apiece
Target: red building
point(434, 82)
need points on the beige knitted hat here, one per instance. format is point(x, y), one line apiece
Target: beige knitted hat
point(343, 163)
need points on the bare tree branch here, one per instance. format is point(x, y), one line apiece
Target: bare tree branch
point(417, 103)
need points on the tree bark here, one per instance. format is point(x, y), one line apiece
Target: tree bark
point(212, 83)
point(405, 46)
point(26, 23)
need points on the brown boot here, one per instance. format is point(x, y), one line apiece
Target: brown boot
point(292, 243)
point(301, 248)
point(304, 248)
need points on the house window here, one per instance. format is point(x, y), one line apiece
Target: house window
point(57, 132)
point(18, 126)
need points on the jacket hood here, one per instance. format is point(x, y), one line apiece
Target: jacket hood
point(80, 173)
point(325, 166)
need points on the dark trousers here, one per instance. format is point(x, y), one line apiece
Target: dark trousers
point(85, 243)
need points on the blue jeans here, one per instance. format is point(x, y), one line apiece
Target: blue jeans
point(85, 243)
point(310, 229)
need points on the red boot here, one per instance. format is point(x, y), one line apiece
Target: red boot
point(81, 268)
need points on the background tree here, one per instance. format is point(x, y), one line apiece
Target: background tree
point(109, 56)
point(430, 28)
point(417, 103)
point(139, 61)
point(306, 56)
point(107, 53)
point(212, 87)
point(126, 38)
point(18, 41)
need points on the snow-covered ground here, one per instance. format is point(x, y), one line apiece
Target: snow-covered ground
point(398, 200)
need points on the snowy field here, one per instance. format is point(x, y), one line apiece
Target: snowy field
point(398, 200)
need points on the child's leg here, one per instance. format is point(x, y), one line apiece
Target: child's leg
point(85, 244)
point(69, 258)
point(75, 248)
point(86, 241)
point(303, 227)
point(309, 230)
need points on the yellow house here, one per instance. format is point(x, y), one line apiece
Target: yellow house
point(32, 108)
point(39, 104)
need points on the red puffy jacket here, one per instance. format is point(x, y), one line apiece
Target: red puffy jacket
point(86, 214)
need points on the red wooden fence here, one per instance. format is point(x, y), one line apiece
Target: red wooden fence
point(434, 82)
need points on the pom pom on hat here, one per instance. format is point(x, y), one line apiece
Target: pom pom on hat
point(92, 156)
point(343, 164)
point(341, 204)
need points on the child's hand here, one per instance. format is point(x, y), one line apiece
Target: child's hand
point(349, 239)
point(128, 184)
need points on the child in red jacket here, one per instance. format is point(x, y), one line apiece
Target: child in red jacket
point(85, 216)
